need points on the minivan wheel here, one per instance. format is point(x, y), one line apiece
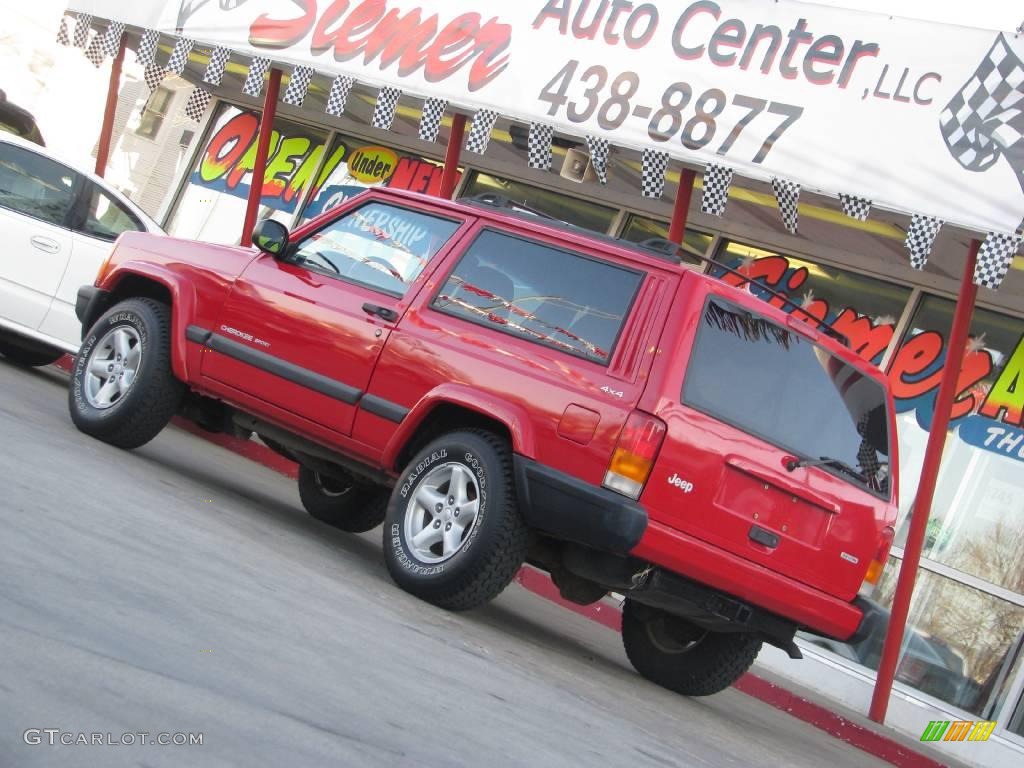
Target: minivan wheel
point(338, 500)
point(27, 354)
point(681, 656)
point(453, 535)
point(123, 391)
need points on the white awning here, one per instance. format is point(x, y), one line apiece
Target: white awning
point(912, 115)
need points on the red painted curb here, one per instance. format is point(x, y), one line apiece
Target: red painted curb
point(610, 616)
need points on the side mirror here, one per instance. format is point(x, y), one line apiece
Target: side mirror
point(270, 237)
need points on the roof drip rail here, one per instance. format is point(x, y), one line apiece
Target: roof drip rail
point(666, 247)
point(494, 200)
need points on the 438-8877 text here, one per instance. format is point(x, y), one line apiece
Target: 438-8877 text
point(613, 105)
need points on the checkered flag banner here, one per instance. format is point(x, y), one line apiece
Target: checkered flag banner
point(431, 117)
point(539, 146)
point(179, 56)
point(214, 74)
point(146, 54)
point(994, 258)
point(717, 180)
point(855, 207)
point(82, 25)
point(652, 173)
point(154, 75)
point(197, 103)
point(340, 89)
point(112, 39)
point(480, 132)
point(254, 80)
point(94, 53)
point(787, 194)
point(920, 236)
point(62, 32)
point(298, 85)
point(384, 109)
point(599, 151)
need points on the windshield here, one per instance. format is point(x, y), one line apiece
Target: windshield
point(776, 384)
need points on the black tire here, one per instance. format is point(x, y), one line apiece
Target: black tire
point(682, 657)
point(28, 353)
point(341, 502)
point(152, 398)
point(491, 549)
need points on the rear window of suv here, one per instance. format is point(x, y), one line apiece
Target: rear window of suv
point(547, 295)
point(783, 388)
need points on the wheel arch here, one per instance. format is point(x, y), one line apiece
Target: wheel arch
point(151, 281)
point(455, 407)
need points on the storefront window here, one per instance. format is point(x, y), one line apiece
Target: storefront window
point(640, 228)
point(863, 309)
point(961, 645)
point(977, 519)
point(558, 205)
point(154, 113)
point(355, 165)
point(212, 205)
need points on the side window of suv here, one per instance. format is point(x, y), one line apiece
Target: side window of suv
point(105, 217)
point(381, 246)
point(558, 298)
point(35, 185)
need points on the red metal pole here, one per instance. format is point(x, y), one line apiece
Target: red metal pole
point(259, 166)
point(681, 209)
point(113, 87)
point(451, 156)
point(926, 489)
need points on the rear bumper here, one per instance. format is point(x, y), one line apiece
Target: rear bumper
point(760, 586)
point(568, 508)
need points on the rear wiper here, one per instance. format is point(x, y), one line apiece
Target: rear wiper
point(826, 460)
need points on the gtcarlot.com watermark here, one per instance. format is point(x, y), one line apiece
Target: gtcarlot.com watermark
point(54, 736)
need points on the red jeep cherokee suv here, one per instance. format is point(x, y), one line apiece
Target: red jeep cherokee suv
point(499, 389)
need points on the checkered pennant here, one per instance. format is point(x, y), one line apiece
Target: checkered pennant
point(146, 53)
point(112, 39)
point(787, 195)
point(867, 456)
point(652, 174)
point(340, 89)
point(218, 63)
point(539, 146)
point(994, 258)
point(431, 117)
point(855, 207)
point(62, 32)
point(197, 103)
point(384, 110)
point(599, 151)
point(82, 25)
point(153, 76)
point(920, 236)
point(179, 56)
point(717, 180)
point(480, 132)
point(254, 80)
point(298, 85)
point(94, 53)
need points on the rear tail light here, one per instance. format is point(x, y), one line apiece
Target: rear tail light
point(877, 564)
point(634, 454)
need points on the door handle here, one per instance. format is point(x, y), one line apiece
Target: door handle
point(45, 243)
point(382, 312)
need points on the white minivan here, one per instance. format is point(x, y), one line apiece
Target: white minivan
point(57, 225)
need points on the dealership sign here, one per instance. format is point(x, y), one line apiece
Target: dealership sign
point(911, 115)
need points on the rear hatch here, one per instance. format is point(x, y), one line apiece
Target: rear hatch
point(749, 402)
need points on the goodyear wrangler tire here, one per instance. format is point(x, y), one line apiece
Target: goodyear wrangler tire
point(453, 535)
point(682, 657)
point(340, 501)
point(122, 389)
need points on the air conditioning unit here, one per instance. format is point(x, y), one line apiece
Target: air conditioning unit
point(577, 167)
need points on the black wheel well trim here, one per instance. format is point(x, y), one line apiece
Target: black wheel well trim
point(443, 417)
